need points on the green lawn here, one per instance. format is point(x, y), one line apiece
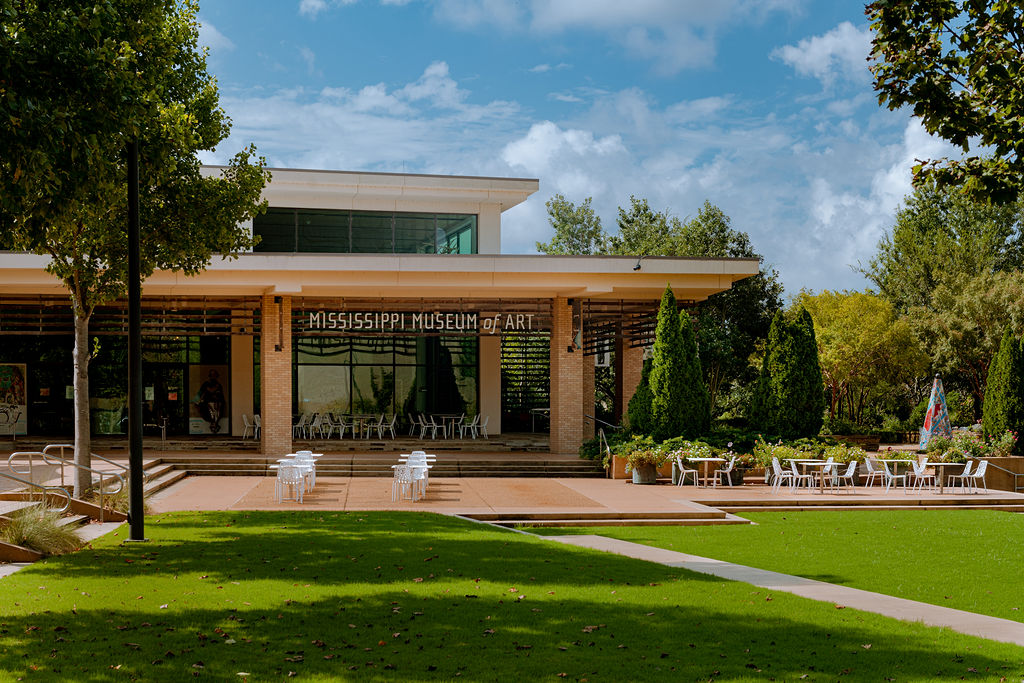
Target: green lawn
point(393, 596)
point(967, 559)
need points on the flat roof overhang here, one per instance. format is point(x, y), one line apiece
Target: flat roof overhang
point(420, 276)
point(319, 189)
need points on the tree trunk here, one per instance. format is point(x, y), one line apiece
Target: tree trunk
point(83, 443)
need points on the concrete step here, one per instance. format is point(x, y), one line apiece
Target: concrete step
point(9, 506)
point(878, 507)
point(74, 520)
point(541, 516)
point(628, 521)
point(163, 481)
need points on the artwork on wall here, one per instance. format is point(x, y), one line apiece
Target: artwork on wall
point(208, 407)
point(13, 399)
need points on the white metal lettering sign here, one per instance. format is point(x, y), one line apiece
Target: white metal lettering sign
point(367, 321)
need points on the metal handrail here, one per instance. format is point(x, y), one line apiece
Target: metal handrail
point(605, 448)
point(56, 490)
point(51, 459)
point(597, 420)
point(95, 456)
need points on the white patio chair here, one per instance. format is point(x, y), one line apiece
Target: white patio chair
point(456, 426)
point(471, 427)
point(828, 474)
point(307, 461)
point(414, 424)
point(799, 477)
point(849, 476)
point(873, 472)
point(428, 423)
point(300, 427)
point(922, 476)
point(402, 484)
point(374, 426)
point(891, 479)
point(388, 426)
point(964, 477)
point(979, 474)
point(316, 426)
point(779, 475)
point(684, 471)
point(482, 427)
point(291, 477)
point(727, 471)
point(250, 428)
point(258, 423)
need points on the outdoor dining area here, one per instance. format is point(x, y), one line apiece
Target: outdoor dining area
point(296, 475)
point(803, 474)
point(326, 425)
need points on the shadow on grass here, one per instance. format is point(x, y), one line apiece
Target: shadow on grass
point(425, 597)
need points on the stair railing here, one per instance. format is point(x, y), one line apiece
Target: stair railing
point(1017, 487)
point(52, 490)
point(103, 479)
point(606, 450)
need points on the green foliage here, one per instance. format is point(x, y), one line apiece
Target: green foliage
point(868, 355)
point(1004, 390)
point(958, 64)
point(679, 400)
point(577, 228)
point(591, 448)
point(639, 417)
point(789, 398)
point(939, 235)
point(963, 327)
point(968, 443)
point(40, 529)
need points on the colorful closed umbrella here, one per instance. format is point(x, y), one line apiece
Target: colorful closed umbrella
point(936, 418)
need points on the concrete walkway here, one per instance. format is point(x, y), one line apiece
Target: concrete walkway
point(993, 628)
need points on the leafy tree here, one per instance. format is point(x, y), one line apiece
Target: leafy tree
point(81, 80)
point(865, 350)
point(958, 64)
point(577, 228)
point(939, 235)
point(789, 398)
point(962, 329)
point(731, 323)
point(644, 232)
point(1004, 390)
point(680, 405)
point(638, 414)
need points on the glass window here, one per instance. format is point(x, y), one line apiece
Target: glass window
point(415, 233)
point(372, 351)
point(323, 388)
point(276, 230)
point(324, 232)
point(324, 350)
point(371, 233)
point(456, 234)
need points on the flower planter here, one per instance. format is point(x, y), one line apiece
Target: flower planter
point(645, 474)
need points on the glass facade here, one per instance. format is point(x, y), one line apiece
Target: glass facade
point(373, 375)
point(364, 232)
point(174, 370)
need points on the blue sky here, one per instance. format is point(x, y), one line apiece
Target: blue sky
point(763, 107)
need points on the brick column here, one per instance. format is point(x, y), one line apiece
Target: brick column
point(589, 391)
point(629, 365)
point(276, 375)
point(566, 382)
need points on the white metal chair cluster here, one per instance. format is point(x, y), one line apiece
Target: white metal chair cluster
point(875, 470)
point(296, 473)
point(411, 475)
point(448, 425)
point(252, 426)
point(324, 426)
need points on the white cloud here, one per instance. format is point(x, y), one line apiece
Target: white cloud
point(210, 37)
point(309, 57)
point(840, 53)
point(541, 68)
point(311, 8)
point(815, 189)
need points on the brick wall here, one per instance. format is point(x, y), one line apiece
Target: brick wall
point(566, 382)
point(588, 396)
point(276, 376)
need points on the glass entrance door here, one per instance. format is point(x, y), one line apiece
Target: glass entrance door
point(165, 398)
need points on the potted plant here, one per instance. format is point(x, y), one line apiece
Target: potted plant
point(642, 458)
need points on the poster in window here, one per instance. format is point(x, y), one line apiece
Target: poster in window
point(13, 399)
point(208, 405)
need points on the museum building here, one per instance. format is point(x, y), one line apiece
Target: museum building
point(367, 293)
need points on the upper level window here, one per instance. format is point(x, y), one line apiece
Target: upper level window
point(364, 232)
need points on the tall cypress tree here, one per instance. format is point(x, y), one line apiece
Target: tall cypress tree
point(680, 405)
point(1004, 391)
point(789, 398)
point(638, 413)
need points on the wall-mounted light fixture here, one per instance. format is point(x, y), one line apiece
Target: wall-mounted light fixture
point(638, 260)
